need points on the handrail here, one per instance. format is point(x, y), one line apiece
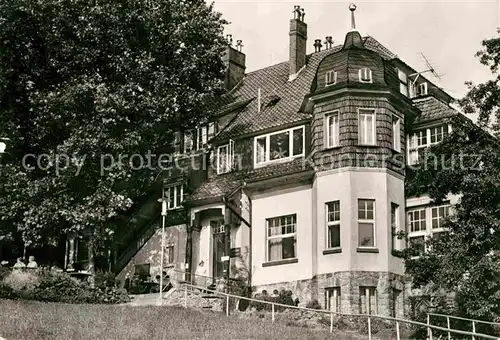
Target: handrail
point(195, 275)
point(368, 316)
point(465, 319)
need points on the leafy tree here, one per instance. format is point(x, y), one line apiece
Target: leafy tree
point(466, 261)
point(86, 82)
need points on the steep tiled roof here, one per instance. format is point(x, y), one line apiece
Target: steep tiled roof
point(433, 108)
point(273, 81)
point(224, 184)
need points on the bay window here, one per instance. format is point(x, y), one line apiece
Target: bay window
point(281, 237)
point(366, 128)
point(278, 146)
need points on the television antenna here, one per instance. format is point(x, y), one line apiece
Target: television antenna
point(430, 69)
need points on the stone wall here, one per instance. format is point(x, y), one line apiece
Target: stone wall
point(349, 284)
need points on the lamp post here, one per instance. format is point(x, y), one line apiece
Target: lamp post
point(164, 205)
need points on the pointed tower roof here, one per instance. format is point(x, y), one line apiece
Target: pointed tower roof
point(353, 38)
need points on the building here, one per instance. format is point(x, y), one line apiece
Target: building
point(298, 181)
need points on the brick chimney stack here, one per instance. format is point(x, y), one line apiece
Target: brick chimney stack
point(235, 62)
point(298, 41)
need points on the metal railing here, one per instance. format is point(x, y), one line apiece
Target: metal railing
point(473, 322)
point(368, 317)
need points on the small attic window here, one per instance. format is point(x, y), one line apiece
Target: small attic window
point(330, 78)
point(365, 75)
point(272, 100)
point(422, 89)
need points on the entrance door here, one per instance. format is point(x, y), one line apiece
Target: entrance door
point(219, 247)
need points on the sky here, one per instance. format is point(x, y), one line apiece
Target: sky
point(448, 33)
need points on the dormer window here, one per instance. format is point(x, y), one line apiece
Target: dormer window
point(422, 89)
point(365, 75)
point(403, 83)
point(279, 146)
point(331, 78)
point(225, 157)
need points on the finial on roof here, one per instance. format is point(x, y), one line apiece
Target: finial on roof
point(352, 8)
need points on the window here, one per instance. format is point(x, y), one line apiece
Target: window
point(279, 145)
point(204, 134)
point(188, 142)
point(416, 219)
point(419, 141)
point(422, 89)
point(225, 157)
point(333, 224)
point(396, 303)
point(330, 78)
point(367, 300)
point(396, 133)
point(332, 130)
point(169, 254)
point(281, 238)
point(175, 195)
point(366, 223)
point(365, 75)
point(332, 299)
point(403, 82)
point(366, 130)
point(438, 215)
point(438, 134)
point(395, 225)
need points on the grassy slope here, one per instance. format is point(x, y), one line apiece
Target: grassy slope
point(39, 321)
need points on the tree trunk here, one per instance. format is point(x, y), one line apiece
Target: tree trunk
point(91, 267)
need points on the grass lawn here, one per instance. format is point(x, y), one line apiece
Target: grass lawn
point(39, 321)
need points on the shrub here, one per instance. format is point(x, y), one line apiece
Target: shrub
point(313, 304)
point(284, 297)
point(58, 287)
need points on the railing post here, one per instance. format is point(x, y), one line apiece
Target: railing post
point(272, 312)
point(429, 330)
point(397, 331)
point(227, 305)
point(185, 296)
point(448, 324)
point(331, 322)
point(473, 330)
point(369, 329)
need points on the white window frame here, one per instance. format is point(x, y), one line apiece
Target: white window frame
point(422, 89)
point(414, 145)
point(395, 226)
point(365, 71)
point(268, 146)
point(441, 131)
point(439, 218)
point(336, 129)
point(281, 236)
point(429, 231)
point(396, 133)
point(229, 157)
point(368, 294)
point(331, 224)
point(176, 188)
point(330, 78)
point(404, 86)
point(363, 120)
point(367, 221)
point(337, 299)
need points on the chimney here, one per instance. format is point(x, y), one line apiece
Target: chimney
point(298, 41)
point(317, 45)
point(235, 62)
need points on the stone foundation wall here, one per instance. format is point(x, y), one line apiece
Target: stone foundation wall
point(349, 283)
